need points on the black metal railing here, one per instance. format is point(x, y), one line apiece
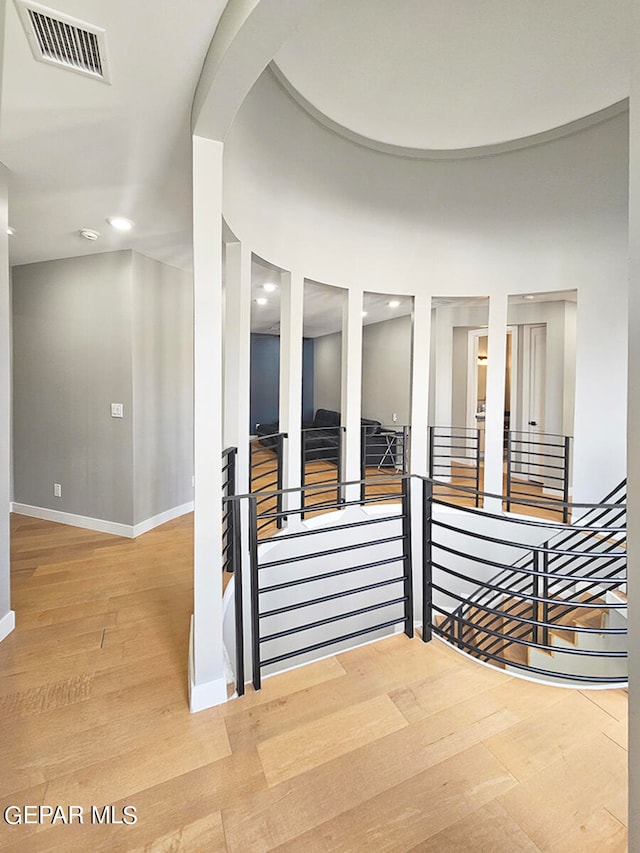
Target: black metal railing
point(455, 454)
point(564, 597)
point(229, 539)
point(383, 450)
point(321, 463)
point(538, 588)
point(266, 458)
point(539, 459)
point(287, 592)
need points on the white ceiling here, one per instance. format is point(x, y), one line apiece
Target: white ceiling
point(79, 150)
point(322, 305)
point(450, 74)
point(432, 73)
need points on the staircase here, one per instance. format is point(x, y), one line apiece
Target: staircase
point(559, 613)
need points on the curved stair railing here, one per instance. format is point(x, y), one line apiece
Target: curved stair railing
point(558, 611)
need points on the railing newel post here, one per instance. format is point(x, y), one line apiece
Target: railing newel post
point(407, 559)
point(255, 593)
point(427, 556)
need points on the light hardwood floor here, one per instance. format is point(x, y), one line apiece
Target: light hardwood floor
point(394, 746)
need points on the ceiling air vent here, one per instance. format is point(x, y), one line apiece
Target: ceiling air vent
point(65, 41)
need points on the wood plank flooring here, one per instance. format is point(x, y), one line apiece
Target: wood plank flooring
point(394, 746)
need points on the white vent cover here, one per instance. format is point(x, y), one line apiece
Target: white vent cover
point(65, 41)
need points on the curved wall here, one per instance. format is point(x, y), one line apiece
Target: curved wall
point(549, 217)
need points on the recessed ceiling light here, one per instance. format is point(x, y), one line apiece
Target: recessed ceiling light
point(364, 313)
point(394, 303)
point(261, 300)
point(269, 287)
point(11, 231)
point(529, 297)
point(120, 223)
point(89, 234)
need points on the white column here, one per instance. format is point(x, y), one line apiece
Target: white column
point(237, 358)
point(291, 321)
point(420, 384)
point(207, 683)
point(419, 433)
point(633, 445)
point(351, 388)
point(494, 419)
point(7, 616)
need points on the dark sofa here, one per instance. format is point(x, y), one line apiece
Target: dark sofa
point(321, 439)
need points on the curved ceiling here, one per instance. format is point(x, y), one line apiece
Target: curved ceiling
point(457, 74)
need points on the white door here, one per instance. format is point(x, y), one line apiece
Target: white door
point(534, 369)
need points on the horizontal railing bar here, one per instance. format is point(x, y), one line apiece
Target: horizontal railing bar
point(587, 679)
point(336, 595)
point(506, 614)
point(332, 642)
point(333, 574)
point(306, 532)
point(330, 551)
point(329, 620)
point(520, 594)
point(542, 548)
point(519, 570)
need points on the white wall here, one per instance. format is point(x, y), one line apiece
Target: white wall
point(162, 387)
point(550, 217)
point(386, 371)
point(327, 377)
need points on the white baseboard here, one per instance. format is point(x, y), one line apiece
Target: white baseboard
point(162, 518)
point(7, 624)
point(203, 696)
point(130, 531)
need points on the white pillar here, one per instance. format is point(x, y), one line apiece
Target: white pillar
point(207, 683)
point(291, 322)
point(420, 384)
point(237, 360)
point(7, 616)
point(494, 418)
point(633, 445)
point(421, 351)
point(351, 389)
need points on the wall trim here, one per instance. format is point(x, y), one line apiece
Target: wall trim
point(101, 525)
point(162, 518)
point(7, 624)
point(576, 126)
point(202, 696)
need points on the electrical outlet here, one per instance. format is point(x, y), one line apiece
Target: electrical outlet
point(117, 410)
point(395, 417)
point(57, 490)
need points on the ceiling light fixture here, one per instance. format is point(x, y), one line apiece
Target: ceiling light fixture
point(269, 287)
point(529, 297)
point(120, 223)
point(11, 231)
point(261, 300)
point(89, 234)
point(394, 303)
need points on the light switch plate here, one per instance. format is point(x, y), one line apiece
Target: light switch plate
point(117, 410)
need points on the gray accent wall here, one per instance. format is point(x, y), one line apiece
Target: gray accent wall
point(162, 388)
point(72, 359)
point(327, 383)
point(5, 399)
point(386, 370)
point(88, 332)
